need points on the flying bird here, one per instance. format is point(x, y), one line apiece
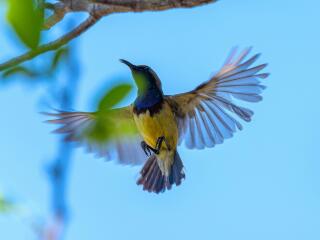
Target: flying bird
point(201, 118)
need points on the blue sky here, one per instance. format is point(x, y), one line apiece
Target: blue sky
point(264, 183)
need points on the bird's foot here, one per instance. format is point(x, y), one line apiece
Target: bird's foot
point(147, 149)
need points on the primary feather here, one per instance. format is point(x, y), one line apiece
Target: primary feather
point(206, 115)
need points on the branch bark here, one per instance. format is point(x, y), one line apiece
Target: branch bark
point(116, 6)
point(97, 9)
point(106, 7)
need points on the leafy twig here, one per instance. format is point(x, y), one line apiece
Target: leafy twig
point(51, 45)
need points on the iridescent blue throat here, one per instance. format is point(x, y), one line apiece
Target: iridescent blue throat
point(151, 100)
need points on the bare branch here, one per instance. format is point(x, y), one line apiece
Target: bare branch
point(103, 7)
point(153, 5)
point(96, 9)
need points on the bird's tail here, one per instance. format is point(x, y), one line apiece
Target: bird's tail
point(153, 180)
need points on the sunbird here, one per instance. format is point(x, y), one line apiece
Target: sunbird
point(201, 118)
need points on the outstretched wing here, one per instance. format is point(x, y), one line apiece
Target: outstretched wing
point(100, 133)
point(207, 115)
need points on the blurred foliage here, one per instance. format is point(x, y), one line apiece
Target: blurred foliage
point(108, 125)
point(19, 70)
point(5, 205)
point(114, 96)
point(44, 72)
point(26, 17)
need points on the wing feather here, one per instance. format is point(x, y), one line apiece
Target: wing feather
point(76, 125)
point(206, 115)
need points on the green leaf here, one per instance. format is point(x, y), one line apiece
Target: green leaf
point(114, 96)
point(104, 127)
point(26, 18)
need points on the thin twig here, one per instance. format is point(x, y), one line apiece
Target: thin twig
point(59, 11)
point(51, 45)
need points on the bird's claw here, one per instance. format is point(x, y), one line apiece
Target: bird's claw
point(146, 148)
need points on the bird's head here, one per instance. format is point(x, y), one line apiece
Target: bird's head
point(144, 76)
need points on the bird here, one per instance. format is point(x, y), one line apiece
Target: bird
point(201, 118)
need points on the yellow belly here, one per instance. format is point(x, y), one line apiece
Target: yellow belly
point(160, 124)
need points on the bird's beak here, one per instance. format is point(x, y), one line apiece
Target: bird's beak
point(129, 64)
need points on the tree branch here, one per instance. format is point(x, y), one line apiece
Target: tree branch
point(51, 45)
point(97, 9)
point(116, 6)
point(155, 5)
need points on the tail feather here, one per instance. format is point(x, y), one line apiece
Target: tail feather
point(153, 180)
